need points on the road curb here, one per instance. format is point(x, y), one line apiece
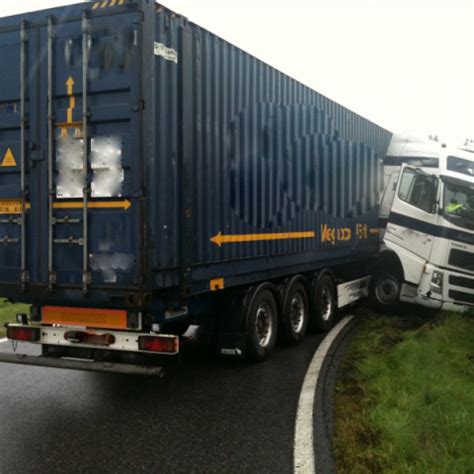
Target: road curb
point(313, 427)
point(324, 400)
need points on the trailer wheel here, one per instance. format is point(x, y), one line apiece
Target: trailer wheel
point(295, 314)
point(262, 324)
point(324, 303)
point(385, 290)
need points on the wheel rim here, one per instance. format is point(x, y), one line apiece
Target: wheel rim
point(326, 304)
point(386, 290)
point(264, 325)
point(297, 313)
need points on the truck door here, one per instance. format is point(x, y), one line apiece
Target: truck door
point(388, 194)
point(412, 220)
point(71, 170)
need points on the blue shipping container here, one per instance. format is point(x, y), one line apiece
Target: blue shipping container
point(145, 160)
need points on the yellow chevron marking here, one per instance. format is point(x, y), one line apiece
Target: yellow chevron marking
point(104, 4)
point(96, 6)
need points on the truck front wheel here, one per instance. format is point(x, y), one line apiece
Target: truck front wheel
point(324, 303)
point(385, 290)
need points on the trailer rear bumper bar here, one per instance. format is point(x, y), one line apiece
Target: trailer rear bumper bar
point(85, 365)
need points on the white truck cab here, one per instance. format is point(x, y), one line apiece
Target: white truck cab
point(427, 254)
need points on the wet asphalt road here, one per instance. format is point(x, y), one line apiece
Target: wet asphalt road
point(206, 415)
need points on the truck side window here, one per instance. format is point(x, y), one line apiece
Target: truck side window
point(419, 190)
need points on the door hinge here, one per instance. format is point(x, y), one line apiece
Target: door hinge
point(140, 107)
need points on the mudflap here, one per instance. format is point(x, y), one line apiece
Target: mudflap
point(231, 345)
point(232, 325)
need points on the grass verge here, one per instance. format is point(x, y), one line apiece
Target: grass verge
point(404, 398)
point(8, 312)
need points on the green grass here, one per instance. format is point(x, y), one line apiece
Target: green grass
point(8, 312)
point(405, 396)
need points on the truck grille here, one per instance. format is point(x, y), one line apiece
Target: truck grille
point(461, 259)
point(461, 281)
point(461, 297)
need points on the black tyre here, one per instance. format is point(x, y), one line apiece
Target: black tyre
point(324, 303)
point(295, 314)
point(262, 324)
point(384, 290)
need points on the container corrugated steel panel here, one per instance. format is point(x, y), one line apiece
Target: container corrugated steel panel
point(220, 155)
point(270, 156)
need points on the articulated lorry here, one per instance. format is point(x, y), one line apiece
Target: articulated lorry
point(154, 176)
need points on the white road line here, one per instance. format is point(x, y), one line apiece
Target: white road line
point(3, 340)
point(303, 454)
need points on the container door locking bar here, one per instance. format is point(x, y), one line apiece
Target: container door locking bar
point(51, 191)
point(86, 276)
point(23, 56)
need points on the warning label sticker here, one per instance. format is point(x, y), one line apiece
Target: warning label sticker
point(10, 206)
point(169, 54)
point(8, 159)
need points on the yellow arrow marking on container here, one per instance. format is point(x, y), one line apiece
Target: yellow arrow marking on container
point(124, 204)
point(8, 159)
point(220, 239)
point(72, 100)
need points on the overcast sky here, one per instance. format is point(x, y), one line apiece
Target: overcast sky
point(407, 64)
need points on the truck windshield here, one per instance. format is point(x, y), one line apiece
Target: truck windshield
point(460, 165)
point(459, 203)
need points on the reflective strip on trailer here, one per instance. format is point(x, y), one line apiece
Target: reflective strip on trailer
point(87, 317)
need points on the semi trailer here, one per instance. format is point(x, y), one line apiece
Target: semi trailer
point(154, 176)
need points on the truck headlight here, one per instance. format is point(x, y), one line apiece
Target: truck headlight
point(436, 284)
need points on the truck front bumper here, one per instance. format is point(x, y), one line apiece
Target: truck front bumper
point(455, 294)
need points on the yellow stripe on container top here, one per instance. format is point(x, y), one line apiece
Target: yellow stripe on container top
point(107, 3)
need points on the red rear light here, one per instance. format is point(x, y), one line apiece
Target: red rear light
point(21, 333)
point(166, 344)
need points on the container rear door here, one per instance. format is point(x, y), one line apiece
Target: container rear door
point(71, 170)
